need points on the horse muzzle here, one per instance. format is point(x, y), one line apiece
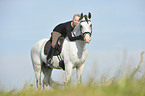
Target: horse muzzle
point(87, 38)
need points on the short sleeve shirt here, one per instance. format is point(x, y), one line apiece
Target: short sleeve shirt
point(64, 28)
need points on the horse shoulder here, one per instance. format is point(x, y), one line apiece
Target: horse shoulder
point(68, 46)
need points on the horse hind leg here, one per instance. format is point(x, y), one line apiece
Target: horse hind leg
point(47, 75)
point(37, 68)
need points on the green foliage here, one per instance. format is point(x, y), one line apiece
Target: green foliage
point(125, 86)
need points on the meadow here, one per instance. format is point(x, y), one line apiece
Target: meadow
point(127, 84)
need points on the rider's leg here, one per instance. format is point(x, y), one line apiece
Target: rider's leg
point(50, 53)
point(55, 36)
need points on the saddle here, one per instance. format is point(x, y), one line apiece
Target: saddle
point(58, 49)
point(58, 46)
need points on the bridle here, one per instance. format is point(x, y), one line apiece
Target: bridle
point(83, 33)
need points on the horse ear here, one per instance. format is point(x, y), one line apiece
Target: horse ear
point(89, 15)
point(81, 16)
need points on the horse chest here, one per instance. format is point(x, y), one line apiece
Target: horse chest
point(79, 58)
point(74, 52)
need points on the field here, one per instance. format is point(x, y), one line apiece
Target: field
point(126, 86)
point(120, 85)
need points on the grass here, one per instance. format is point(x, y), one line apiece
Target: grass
point(123, 85)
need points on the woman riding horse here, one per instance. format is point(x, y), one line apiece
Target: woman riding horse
point(63, 29)
point(73, 53)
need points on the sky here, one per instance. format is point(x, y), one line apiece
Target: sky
point(118, 35)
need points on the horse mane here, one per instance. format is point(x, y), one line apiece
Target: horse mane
point(86, 18)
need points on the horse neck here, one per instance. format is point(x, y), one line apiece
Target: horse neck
point(76, 30)
point(81, 45)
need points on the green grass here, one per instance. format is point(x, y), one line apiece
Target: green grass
point(121, 88)
point(127, 85)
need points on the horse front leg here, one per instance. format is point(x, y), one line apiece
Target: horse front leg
point(68, 72)
point(79, 73)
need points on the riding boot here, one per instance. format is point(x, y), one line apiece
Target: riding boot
point(50, 54)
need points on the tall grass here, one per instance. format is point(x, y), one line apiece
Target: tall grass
point(123, 85)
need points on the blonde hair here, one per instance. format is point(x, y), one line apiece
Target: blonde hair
point(75, 16)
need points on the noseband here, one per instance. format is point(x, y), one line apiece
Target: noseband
point(90, 33)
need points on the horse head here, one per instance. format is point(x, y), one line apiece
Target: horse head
point(86, 27)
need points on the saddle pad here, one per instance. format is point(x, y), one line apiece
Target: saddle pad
point(58, 46)
point(46, 47)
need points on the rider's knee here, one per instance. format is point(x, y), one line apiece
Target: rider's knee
point(53, 45)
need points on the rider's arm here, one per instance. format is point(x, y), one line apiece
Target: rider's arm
point(74, 38)
point(80, 37)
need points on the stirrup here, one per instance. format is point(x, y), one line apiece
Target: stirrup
point(49, 62)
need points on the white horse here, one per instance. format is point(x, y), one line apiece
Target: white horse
point(73, 53)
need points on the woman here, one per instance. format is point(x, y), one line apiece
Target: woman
point(63, 29)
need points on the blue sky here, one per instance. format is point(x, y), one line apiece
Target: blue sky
point(118, 25)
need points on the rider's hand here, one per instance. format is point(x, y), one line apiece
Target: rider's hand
point(81, 37)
